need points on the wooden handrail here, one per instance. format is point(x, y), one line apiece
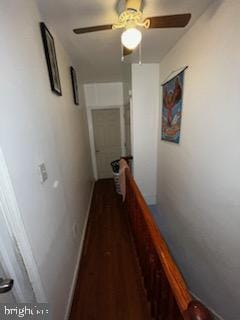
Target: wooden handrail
point(159, 269)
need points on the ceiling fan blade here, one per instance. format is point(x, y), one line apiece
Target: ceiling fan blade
point(172, 21)
point(93, 29)
point(127, 51)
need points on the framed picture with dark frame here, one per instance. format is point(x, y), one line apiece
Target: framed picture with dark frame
point(51, 58)
point(74, 85)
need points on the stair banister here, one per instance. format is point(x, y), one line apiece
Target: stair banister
point(165, 286)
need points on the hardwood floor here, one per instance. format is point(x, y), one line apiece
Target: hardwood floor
point(109, 285)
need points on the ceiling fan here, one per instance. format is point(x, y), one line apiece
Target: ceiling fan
point(131, 19)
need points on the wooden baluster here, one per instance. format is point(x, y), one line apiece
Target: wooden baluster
point(137, 222)
point(157, 287)
point(134, 217)
point(145, 251)
point(173, 310)
point(148, 260)
point(197, 311)
point(144, 237)
point(163, 298)
point(143, 244)
point(152, 291)
point(126, 202)
point(159, 277)
point(149, 276)
point(137, 230)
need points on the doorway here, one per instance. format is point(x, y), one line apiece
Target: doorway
point(16, 257)
point(127, 120)
point(7, 297)
point(107, 139)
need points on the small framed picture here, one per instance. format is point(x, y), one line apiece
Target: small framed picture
point(74, 85)
point(51, 58)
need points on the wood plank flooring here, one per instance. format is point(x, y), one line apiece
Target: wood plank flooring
point(109, 285)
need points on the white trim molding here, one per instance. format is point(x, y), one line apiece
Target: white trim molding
point(16, 229)
point(150, 199)
point(75, 275)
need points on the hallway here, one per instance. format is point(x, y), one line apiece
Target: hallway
point(171, 102)
point(109, 285)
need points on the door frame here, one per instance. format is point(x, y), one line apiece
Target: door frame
point(91, 133)
point(13, 220)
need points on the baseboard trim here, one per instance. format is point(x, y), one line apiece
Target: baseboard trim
point(75, 276)
point(150, 199)
point(217, 316)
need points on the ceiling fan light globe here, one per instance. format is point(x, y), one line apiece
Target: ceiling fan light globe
point(131, 38)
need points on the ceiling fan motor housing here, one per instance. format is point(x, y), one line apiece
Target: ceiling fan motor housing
point(134, 5)
point(129, 5)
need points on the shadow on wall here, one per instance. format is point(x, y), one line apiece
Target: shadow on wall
point(180, 254)
point(212, 10)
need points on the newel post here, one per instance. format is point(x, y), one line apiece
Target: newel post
point(197, 311)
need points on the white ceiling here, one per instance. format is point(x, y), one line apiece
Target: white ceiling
point(98, 55)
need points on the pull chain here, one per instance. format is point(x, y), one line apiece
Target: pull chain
point(123, 59)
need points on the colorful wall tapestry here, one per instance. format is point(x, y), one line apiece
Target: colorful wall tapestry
point(172, 108)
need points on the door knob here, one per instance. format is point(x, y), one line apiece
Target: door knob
point(97, 151)
point(6, 285)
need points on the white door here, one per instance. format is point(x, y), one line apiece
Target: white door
point(12, 266)
point(7, 297)
point(107, 138)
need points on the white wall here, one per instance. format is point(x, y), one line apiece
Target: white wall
point(145, 109)
point(104, 96)
point(38, 126)
point(198, 180)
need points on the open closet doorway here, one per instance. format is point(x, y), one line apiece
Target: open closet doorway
point(15, 285)
point(8, 296)
point(107, 139)
point(127, 123)
point(17, 262)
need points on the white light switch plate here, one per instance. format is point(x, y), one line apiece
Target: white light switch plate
point(43, 172)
